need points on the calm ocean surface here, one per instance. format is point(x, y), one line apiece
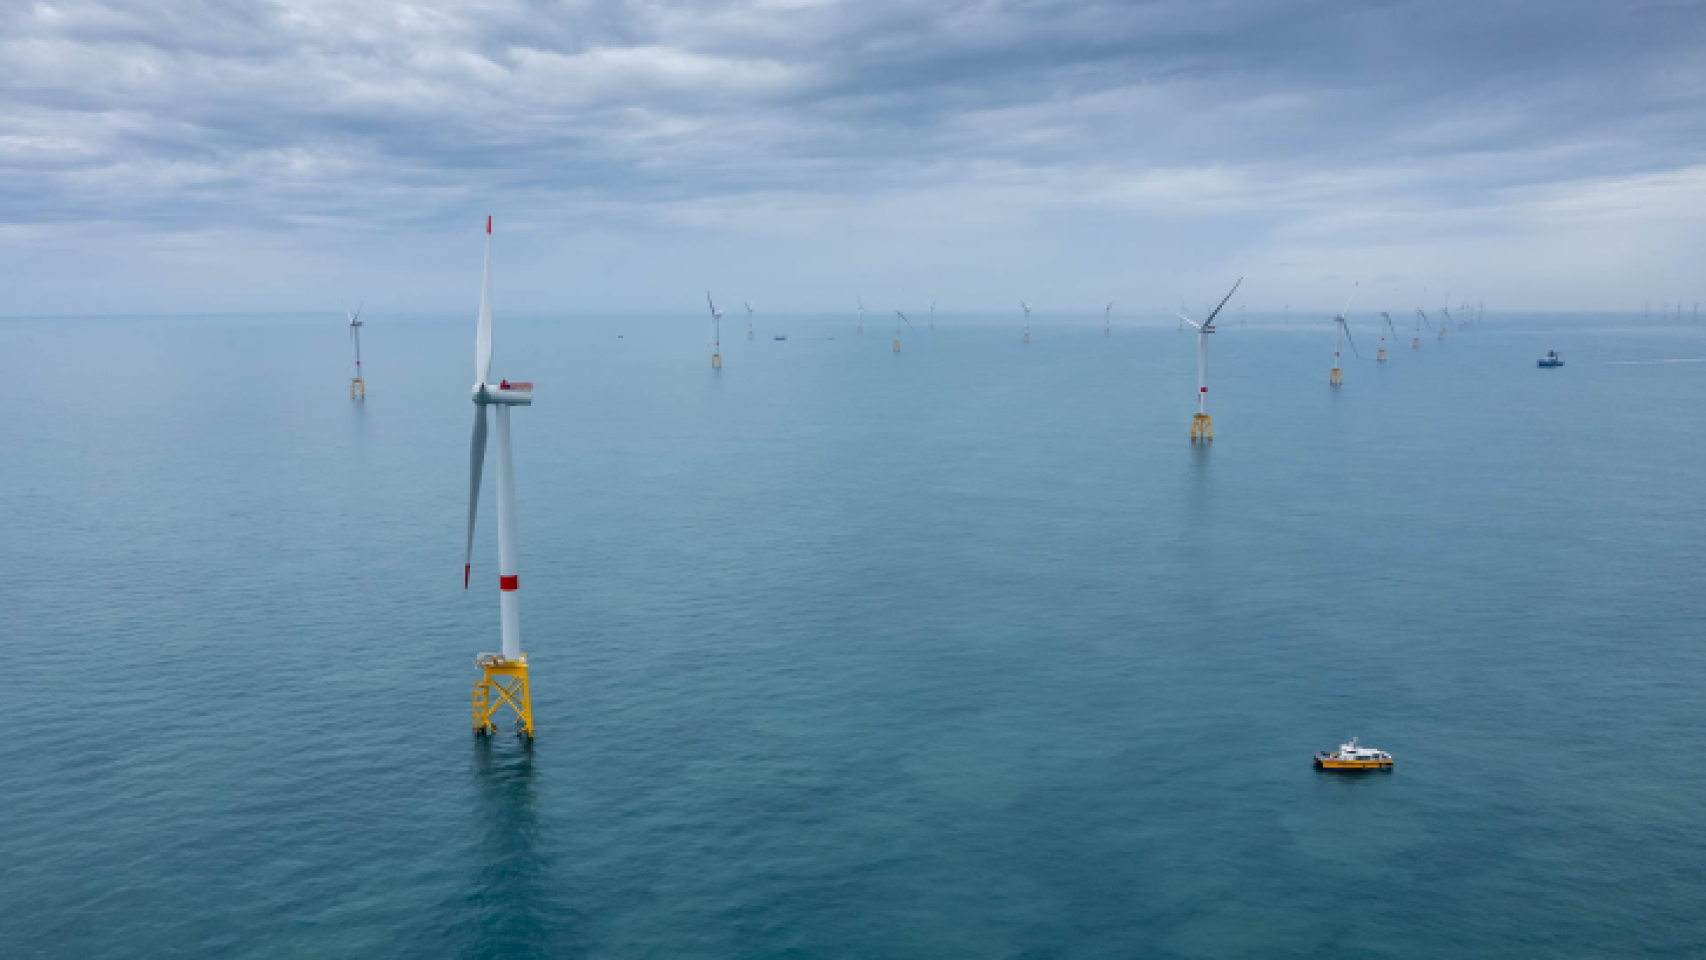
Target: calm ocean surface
point(965, 652)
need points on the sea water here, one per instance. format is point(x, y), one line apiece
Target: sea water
point(964, 651)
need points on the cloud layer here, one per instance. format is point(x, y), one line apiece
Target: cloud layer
point(198, 155)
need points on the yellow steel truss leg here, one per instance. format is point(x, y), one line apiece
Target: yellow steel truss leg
point(508, 679)
point(357, 389)
point(1202, 428)
point(1337, 378)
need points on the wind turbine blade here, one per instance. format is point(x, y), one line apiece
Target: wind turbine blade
point(476, 465)
point(1188, 320)
point(483, 341)
point(1217, 310)
point(1349, 338)
point(903, 317)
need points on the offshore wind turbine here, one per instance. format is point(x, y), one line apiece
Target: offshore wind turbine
point(861, 315)
point(1445, 311)
point(1337, 377)
point(902, 316)
point(505, 672)
point(748, 307)
point(932, 314)
point(1421, 318)
point(1027, 309)
point(358, 386)
point(1388, 317)
point(1106, 312)
point(1202, 426)
point(716, 332)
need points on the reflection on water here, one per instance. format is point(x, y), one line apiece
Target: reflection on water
point(509, 915)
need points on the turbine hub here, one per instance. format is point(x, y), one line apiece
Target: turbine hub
point(506, 393)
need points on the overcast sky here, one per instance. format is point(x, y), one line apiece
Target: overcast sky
point(210, 156)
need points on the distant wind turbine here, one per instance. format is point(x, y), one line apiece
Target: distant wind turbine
point(1202, 426)
point(1027, 309)
point(716, 332)
point(1337, 378)
point(903, 319)
point(861, 315)
point(748, 307)
point(358, 386)
point(1107, 311)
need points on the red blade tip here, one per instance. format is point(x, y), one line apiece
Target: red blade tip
point(488, 224)
point(466, 569)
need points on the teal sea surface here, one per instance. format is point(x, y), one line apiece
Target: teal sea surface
point(964, 651)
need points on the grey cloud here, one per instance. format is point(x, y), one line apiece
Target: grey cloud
point(1212, 135)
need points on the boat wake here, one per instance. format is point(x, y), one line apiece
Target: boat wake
point(1642, 363)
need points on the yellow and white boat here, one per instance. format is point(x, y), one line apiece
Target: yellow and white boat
point(1353, 757)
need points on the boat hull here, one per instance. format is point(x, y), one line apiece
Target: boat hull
point(1329, 763)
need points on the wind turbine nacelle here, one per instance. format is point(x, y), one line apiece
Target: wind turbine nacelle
point(504, 393)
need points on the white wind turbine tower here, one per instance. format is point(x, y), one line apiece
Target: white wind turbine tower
point(1381, 356)
point(748, 307)
point(358, 386)
point(511, 664)
point(716, 332)
point(1027, 309)
point(932, 314)
point(1202, 426)
point(861, 303)
point(1337, 378)
point(1107, 313)
point(903, 319)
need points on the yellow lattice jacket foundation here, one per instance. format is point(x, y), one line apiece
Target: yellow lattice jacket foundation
point(507, 679)
point(1202, 427)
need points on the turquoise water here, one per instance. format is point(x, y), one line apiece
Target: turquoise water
point(965, 652)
